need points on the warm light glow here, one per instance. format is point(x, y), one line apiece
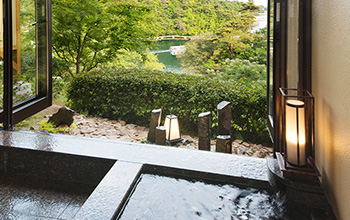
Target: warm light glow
point(294, 109)
point(172, 128)
point(15, 25)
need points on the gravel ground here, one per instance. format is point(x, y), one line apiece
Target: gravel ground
point(95, 127)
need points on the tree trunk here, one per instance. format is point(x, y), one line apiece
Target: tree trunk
point(77, 69)
point(231, 48)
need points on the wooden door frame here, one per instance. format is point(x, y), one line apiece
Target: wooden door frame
point(279, 64)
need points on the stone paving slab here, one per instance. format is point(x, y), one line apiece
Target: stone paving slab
point(203, 161)
point(110, 194)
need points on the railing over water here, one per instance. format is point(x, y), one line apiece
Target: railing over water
point(174, 38)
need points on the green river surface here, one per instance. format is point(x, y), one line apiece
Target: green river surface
point(171, 62)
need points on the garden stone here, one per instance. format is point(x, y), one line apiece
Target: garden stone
point(121, 133)
point(155, 121)
point(160, 135)
point(86, 130)
point(64, 116)
point(235, 149)
point(188, 138)
point(63, 127)
point(238, 141)
point(246, 144)
point(261, 153)
point(204, 131)
point(184, 141)
point(123, 123)
point(224, 144)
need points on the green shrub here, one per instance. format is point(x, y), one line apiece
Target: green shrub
point(131, 95)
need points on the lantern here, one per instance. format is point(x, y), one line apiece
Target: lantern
point(297, 134)
point(172, 127)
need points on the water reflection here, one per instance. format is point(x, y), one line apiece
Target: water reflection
point(171, 62)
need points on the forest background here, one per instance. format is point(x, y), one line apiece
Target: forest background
point(90, 34)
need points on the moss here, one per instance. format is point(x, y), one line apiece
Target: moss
point(53, 129)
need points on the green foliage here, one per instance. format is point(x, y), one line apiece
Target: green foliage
point(257, 50)
point(210, 50)
point(236, 69)
point(28, 122)
point(199, 53)
point(126, 59)
point(27, 39)
point(32, 122)
point(60, 67)
point(132, 94)
point(191, 17)
point(59, 88)
point(151, 62)
point(53, 129)
point(87, 33)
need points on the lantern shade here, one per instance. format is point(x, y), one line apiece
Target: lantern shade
point(172, 129)
point(296, 146)
point(295, 132)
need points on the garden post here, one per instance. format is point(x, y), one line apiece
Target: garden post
point(224, 144)
point(224, 119)
point(155, 121)
point(204, 124)
point(160, 135)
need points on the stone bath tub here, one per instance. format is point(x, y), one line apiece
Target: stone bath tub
point(102, 179)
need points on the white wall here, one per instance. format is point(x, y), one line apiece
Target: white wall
point(331, 88)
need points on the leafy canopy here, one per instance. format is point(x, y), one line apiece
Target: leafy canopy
point(87, 33)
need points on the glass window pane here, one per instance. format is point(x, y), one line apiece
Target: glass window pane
point(42, 48)
point(270, 48)
point(24, 46)
point(293, 44)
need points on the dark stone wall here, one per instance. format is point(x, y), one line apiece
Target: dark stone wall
point(53, 165)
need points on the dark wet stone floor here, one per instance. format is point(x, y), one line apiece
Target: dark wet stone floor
point(25, 197)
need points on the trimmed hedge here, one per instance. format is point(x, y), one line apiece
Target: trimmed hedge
point(131, 95)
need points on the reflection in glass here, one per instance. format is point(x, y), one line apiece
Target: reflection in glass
point(270, 48)
point(24, 75)
point(15, 42)
point(293, 44)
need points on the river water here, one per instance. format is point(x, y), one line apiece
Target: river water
point(172, 63)
point(260, 22)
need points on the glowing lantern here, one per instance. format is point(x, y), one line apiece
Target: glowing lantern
point(295, 132)
point(296, 154)
point(172, 129)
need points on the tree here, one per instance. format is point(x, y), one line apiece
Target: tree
point(88, 33)
point(198, 53)
point(131, 60)
point(211, 50)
